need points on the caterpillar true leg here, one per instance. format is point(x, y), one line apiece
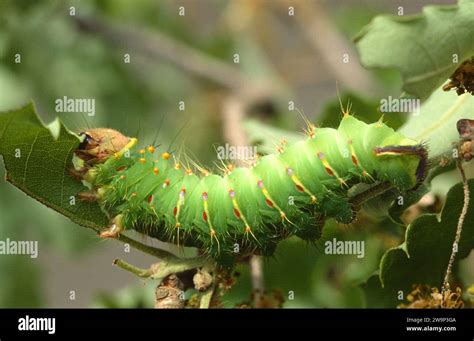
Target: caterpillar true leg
point(88, 196)
point(114, 229)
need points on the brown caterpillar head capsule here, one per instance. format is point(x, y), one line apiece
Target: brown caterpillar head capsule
point(99, 144)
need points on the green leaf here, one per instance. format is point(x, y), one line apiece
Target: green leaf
point(409, 198)
point(436, 123)
point(37, 159)
point(422, 46)
point(424, 256)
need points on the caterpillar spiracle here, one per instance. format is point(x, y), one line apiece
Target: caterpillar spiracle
point(288, 193)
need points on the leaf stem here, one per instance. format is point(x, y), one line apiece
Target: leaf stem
point(132, 268)
point(158, 253)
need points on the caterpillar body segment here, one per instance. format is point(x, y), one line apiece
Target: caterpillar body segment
point(287, 193)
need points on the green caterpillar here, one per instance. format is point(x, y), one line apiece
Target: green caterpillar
point(288, 193)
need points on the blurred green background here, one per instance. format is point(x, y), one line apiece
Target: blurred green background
point(282, 59)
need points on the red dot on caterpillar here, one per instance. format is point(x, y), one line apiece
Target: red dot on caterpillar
point(156, 171)
point(269, 203)
point(354, 160)
point(237, 213)
point(165, 155)
point(299, 188)
point(175, 211)
point(150, 199)
point(329, 171)
point(121, 169)
point(204, 216)
point(326, 164)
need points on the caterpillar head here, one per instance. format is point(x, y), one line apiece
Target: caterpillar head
point(99, 144)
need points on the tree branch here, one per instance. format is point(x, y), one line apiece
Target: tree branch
point(158, 45)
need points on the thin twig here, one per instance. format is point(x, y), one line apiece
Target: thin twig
point(457, 238)
point(164, 268)
point(158, 253)
point(132, 268)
